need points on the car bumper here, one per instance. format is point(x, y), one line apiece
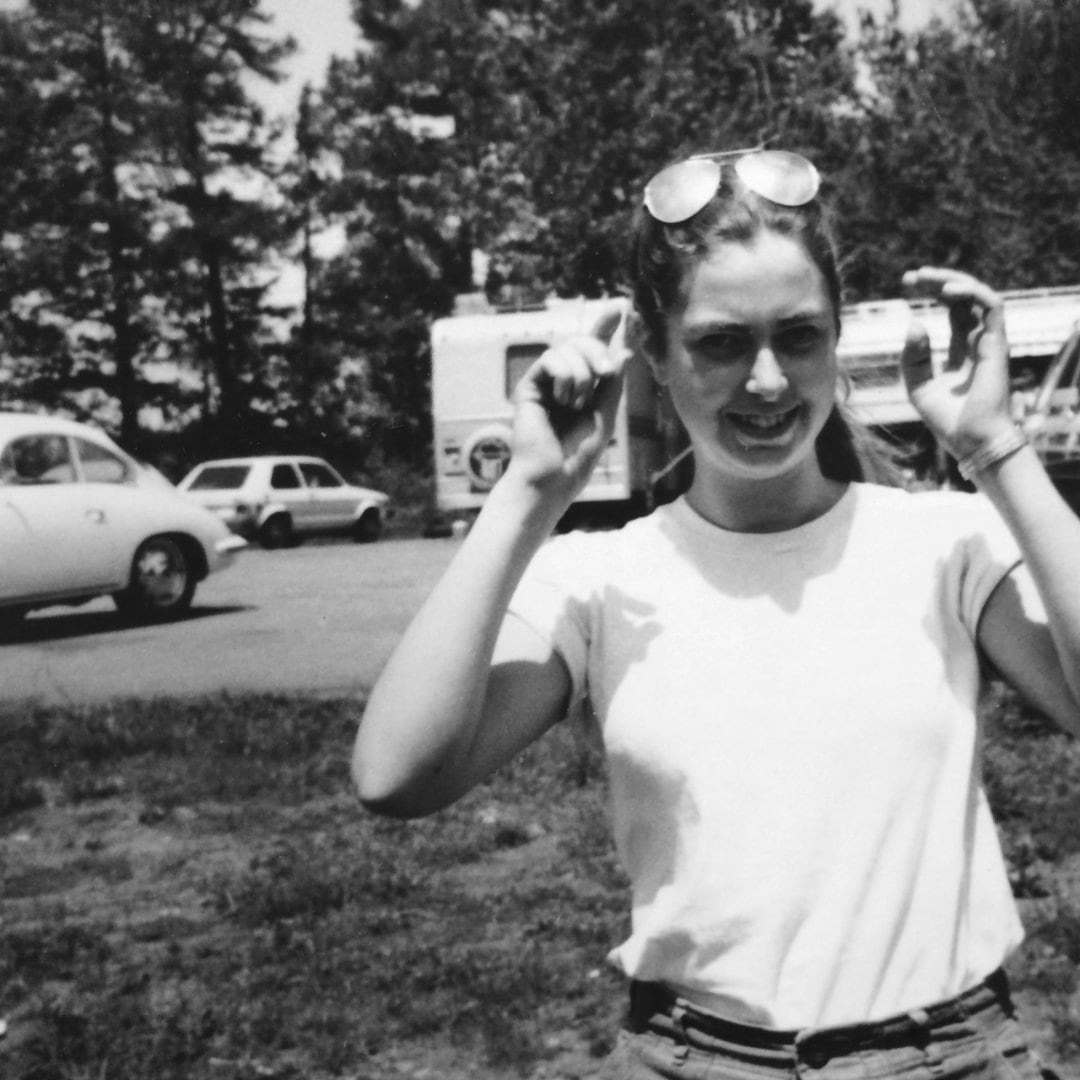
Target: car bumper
point(227, 548)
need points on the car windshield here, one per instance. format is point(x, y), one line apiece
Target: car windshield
point(220, 478)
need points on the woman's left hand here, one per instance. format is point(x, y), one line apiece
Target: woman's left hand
point(966, 404)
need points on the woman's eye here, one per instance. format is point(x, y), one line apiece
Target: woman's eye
point(803, 338)
point(723, 346)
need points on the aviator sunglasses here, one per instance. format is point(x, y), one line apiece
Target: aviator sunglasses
point(677, 193)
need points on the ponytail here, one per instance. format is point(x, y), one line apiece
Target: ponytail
point(849, 451)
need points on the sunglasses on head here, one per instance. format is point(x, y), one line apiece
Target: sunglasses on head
point(677, 193)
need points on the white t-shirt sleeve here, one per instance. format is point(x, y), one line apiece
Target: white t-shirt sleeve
point(554, 599)
point(986, 555)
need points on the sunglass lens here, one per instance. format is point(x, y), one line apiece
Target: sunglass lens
point(678, 192)
point(781, 177)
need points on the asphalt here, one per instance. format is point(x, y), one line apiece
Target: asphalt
point(320, 618)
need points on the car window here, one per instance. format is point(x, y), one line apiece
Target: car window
point(38, 459)
point(220, 478)
point(284, 476)
point(99, 465)
point(319, 476)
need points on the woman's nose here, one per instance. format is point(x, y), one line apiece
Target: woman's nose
point(767, 378)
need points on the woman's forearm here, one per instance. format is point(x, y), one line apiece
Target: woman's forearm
point(422, 717)
point(1048, 533)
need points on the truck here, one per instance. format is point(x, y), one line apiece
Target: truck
point(479, 355)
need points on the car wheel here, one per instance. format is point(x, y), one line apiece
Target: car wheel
point(368, 527)
point(162, 581)
point(276, 532)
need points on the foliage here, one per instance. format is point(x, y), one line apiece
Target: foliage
point(147, 204)
point(522, 130)
point(128, 252)
point(969, 154)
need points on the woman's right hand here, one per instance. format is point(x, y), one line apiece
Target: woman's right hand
point(564, 410)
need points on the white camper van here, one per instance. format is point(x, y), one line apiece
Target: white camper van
point(477, 359)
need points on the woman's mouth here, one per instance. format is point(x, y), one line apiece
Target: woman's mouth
point(763, 428)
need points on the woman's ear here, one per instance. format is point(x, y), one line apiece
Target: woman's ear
point(644, 344)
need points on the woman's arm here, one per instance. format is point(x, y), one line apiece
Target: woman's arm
point(467, 687)
point(1030, 627)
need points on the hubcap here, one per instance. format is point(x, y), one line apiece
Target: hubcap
point(162, 575)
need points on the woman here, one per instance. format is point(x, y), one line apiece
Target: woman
point(784, 663)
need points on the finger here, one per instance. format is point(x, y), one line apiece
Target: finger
point(950, 287)
point(976, 293)
point(974, 307)
point(977, 319)
point(966, 287)
point(963, 332)
point(927, 282)
point(606, 398)
point(916, 358)
point(606, 325)
point(570, 369)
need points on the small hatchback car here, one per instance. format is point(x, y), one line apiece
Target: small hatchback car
point(281, 499)
point(79, 518)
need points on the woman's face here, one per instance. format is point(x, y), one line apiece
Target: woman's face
point(750, 361)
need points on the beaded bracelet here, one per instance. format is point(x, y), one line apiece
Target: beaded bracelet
point(1007, 443)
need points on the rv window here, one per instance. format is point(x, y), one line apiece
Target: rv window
point(519, 359)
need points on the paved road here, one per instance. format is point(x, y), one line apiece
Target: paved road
point(321, 617)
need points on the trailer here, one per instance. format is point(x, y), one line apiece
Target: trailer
point(477, 360)
point(479, 356)
point(1037, 322)
point(1050, 417)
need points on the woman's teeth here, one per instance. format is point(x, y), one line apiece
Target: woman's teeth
point(764, 422)
point(753, 429)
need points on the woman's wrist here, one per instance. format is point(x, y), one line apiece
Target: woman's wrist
point(514, 498)
point(975, 456)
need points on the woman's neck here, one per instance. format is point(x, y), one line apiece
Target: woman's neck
point(765, 506)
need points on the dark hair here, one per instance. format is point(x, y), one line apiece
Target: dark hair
point(661, 254)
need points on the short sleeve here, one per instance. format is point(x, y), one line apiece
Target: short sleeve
point(554, 598)
point(989, 552)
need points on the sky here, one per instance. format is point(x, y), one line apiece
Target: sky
point(322, 28)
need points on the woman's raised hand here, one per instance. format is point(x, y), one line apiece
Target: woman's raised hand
point(564, 409)
point(966, 404)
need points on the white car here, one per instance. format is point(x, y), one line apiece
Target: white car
point(283, 498)
point(79, 518)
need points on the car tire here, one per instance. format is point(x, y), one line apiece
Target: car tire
point(162, 581)
point(368, 527)
point(276, 532)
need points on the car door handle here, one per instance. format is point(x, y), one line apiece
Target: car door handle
point(96, 516)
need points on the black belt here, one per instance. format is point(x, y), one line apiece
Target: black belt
point(653, 1005)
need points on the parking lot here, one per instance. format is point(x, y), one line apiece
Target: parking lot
point(319, 618)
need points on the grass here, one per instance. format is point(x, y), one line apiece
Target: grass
point(189, 890)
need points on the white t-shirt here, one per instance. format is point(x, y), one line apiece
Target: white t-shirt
point(791, 729)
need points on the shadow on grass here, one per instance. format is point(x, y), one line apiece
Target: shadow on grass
point(36, 630)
